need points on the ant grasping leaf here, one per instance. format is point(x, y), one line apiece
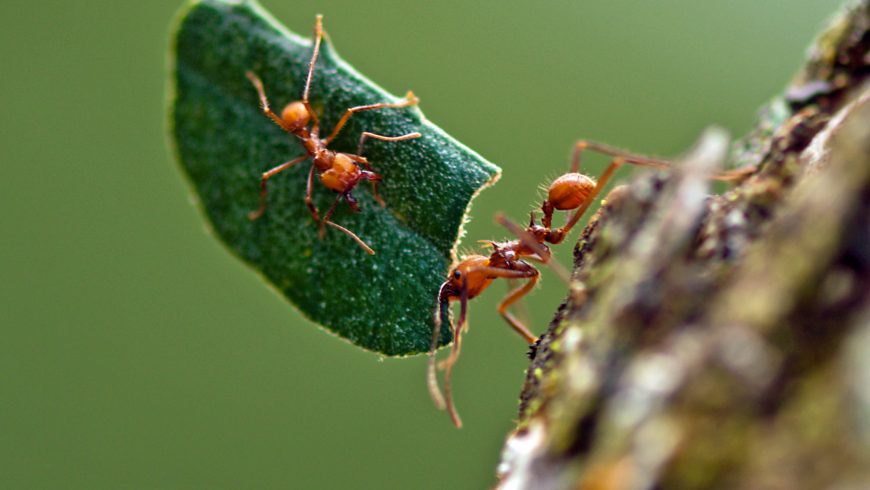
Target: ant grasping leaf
point(340, 172)
point(509, 260)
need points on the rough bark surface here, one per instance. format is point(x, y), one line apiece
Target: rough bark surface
point(721, 341)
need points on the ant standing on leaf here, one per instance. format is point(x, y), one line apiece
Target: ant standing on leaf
point(508, 260)
point(338, 171)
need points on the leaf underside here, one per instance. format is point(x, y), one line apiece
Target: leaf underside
point(383, 302)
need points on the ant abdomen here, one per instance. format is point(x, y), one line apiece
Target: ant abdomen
point(570, 191)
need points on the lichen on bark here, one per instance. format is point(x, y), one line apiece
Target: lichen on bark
point(722, 341)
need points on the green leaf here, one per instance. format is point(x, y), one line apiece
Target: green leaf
point(382, 302)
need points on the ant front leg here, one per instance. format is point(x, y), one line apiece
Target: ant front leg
point(543, 253)
point(514, 296)
point(266, 176)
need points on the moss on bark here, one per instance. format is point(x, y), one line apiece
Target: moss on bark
point(722, 341)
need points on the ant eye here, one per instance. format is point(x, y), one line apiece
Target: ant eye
point(457, 274)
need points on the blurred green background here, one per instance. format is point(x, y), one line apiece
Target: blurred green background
point(137, 353)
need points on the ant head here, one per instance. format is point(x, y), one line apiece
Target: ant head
point(453, 285)
point(463, 275)
point(295, 115)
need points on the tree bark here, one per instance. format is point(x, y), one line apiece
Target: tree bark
point(721, 341)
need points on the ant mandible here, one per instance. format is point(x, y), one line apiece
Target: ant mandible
point(340, 172)
point(508, 260)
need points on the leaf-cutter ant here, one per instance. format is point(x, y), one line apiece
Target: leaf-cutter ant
point(509, 260)
point(340, 172)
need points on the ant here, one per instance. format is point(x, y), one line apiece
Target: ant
point(509, 260)
point(340, 172)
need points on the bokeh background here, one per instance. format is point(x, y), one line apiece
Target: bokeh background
point(135, 352)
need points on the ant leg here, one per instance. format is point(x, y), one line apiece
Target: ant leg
point(360, 159)
point(521, 309)
point(266, 176)
point(526, 272)
point(410, 100)
point(602, 181)
point(374, 179)
point(347, 196)
point(513, 297)
point(548, 209)
point(327, 220)
point(645, 161)
point(318, 35)
point(543, 254)
point(308, 200)
point(328, 215)
point(351, 201)
point(625, 156)
point(366, 134)
point(264, 102)
point(359, 151)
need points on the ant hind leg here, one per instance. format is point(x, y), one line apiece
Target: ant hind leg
point(512, 298)
point(646, 161)
point(625, 156)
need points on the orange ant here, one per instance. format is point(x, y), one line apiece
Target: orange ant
point(469, 278)
point(338, 171)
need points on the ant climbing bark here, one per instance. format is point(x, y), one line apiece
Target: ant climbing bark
point(340, 172)
point(572, 191)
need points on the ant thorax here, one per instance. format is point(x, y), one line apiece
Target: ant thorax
point(323, 158)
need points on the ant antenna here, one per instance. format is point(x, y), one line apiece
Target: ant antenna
point(442, 310)
point(318, 35)
point(353, 235)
